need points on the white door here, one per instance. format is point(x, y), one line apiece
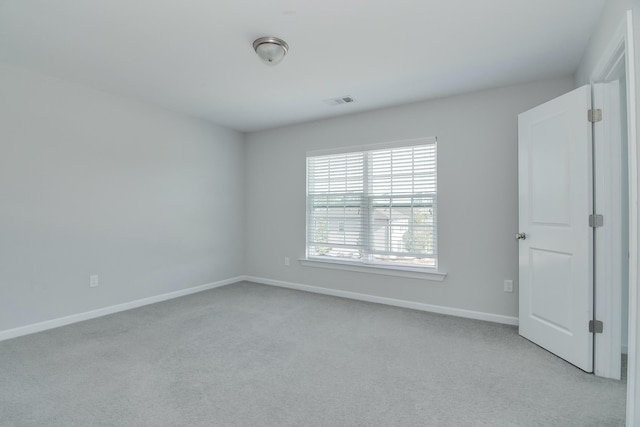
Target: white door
point(555, 200)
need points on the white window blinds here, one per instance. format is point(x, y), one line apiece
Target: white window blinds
point(374, 206)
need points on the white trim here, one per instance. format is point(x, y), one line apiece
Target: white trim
point(79, 317)
point(633, 397)
point(608, 238)
point(372, 147)
point(387, 270)
point(458, 312)
point(622, 42)
point(613, 54)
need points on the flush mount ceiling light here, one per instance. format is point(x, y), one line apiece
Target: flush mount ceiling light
point(271, 49)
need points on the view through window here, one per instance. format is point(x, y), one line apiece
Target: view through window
point(374, 206)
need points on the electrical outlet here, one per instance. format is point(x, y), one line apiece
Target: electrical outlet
point(508, 285)
point(94, 281)
point(286, 261)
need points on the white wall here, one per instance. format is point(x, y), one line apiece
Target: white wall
point(477, 202)
point(91, 183)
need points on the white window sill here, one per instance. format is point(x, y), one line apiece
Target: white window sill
point(388, 270)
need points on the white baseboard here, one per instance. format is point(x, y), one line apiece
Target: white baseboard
point(74, 318)
point(478, 315)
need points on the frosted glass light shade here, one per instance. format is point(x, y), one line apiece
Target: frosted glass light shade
point(270, 49)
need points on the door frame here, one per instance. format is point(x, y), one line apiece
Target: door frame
point(620, 48)
point(607, 199)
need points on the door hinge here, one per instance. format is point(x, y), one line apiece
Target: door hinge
point(595, 326)
point(594, 115)
point(596, 220)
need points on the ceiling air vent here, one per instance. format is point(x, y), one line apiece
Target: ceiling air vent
point(337, 101)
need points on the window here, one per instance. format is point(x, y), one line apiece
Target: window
point(376, 206)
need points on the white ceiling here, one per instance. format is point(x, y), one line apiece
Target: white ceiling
point(195, 56)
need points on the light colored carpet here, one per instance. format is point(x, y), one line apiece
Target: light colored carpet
point(254, 355)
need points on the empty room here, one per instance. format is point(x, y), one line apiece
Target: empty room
point(336, 213)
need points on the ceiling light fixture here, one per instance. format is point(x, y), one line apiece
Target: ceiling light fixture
point(270, 49)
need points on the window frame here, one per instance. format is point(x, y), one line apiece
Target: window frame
point(369, 265)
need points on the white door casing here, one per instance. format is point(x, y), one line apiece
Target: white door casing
point(608, 238)
point(555, 200)
point(621, 49)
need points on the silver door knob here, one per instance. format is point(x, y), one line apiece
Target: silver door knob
point(521, 236)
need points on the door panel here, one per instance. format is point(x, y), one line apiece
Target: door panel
point(550, 288)
point(549, 174)
point(555, 200)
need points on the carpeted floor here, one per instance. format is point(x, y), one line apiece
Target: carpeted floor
point(254, 355)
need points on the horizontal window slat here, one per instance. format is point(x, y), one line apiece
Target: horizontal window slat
point(374, 206)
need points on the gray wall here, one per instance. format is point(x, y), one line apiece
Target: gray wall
point(91, 183)
point(477, 202)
